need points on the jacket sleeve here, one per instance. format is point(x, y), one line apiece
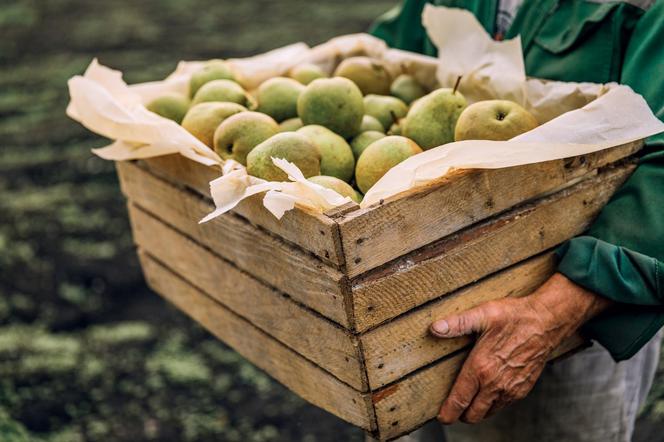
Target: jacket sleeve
point(622, 255)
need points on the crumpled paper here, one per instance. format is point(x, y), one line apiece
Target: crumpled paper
point(575, 121)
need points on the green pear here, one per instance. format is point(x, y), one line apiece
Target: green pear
point(203, 119)
point(371, 123)
point(497, 120)
point(385, 109)
point(278, 96)
point(431, 120)
point(407, 88)
point(336, 157)
point(363, 140)
point(212, 70)
point(221, 90)
point(171, 105)
point(381, 156)
point(239, 133)
point(290, 125)
point(289, 146)
point(339, 186)
point(335, 103)
point(306, 73)
point(370, 75)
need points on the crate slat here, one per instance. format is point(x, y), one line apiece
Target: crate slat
point(318, 286)
point(313, 232)
point(295, 372)
point(481, 250)
point(375, 236)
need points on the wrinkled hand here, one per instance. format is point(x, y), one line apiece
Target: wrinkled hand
point(516, 336)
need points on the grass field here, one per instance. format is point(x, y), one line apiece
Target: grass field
point(87, 353)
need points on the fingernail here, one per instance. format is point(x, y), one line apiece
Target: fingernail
point(440, 327)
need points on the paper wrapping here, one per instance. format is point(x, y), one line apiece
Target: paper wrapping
point(578, 118)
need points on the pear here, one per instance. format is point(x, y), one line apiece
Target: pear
point(385, 109)
point(221, 90)
point(407, 88)
point(363, 140)
point(497, 120)
point(370, 75)
point(381, 156)
point(278, 96)
point(335, 103)
point(431, 120)
point(203, 119)
point(339, 186)
point(212, 70)
point(306, 73)
point(371, 123)
point(171, 105)
point(290, 125)
point(289, 146)
point(337, 158)
point(238, 134)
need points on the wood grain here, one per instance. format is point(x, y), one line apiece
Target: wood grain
point(279, 264)
point(313, 232)
point(405, 344)
point(408, 221)
point(409, 403)
point(480, 250)
point(314, 337)
point(295, 372)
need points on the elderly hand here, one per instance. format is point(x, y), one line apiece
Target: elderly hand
point(515, 338)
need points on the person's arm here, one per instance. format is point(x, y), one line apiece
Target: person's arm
point(622, 255)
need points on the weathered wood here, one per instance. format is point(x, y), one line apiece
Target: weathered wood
point(376, 235)
point(281, 265)
point(295, 372)
point(481, 250)
point(405, 344)
point(312, 231)
point(314, 337)
point(409, 403)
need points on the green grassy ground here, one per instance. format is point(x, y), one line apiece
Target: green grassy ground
point(87, 353)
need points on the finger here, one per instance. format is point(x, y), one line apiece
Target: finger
point(470, 321)
point(480, 406)
point(463, 391)
point(498, 405)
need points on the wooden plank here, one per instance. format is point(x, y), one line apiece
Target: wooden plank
point(406, 405)
point(279, 264)
point(313, 232)
point(314, 337)
point(377, 235)
point(295, 372)
point(405, 344)
point(481, 250)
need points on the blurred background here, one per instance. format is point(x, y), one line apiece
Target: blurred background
point(87, 352)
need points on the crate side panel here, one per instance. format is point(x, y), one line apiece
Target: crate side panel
point(295, 372)
point(309, 334)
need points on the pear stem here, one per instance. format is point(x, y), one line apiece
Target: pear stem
point(456, 85)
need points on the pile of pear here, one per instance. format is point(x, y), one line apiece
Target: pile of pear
point(344, 132)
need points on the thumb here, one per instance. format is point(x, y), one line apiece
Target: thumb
point(464, 323)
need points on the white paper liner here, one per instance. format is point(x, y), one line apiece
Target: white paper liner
point(102, 102)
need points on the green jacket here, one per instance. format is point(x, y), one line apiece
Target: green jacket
point(622, 254)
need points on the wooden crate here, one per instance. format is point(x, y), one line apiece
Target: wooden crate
point(337, 306)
